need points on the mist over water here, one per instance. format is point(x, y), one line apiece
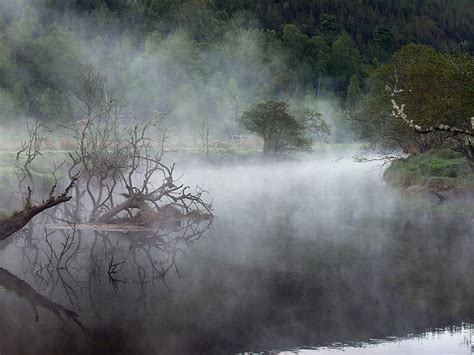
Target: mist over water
point(312, 255)
point(300, 254)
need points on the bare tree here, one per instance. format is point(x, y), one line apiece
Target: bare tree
point(124, 178)
point(30, 150)
point(208, 143)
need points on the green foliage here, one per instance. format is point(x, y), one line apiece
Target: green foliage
point(344, 60)
point(53, 106)
point(384, 41)
point(435, 88)
point(55, 53)
point(353, 91)
point(329, 26)
point(7, 105)
point(7, 65)
point(280, 130)
point(289, 49)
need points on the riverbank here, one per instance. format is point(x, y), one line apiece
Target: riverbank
point(436, 175)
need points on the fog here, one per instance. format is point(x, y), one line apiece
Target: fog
point(310, 252)
point(299, 254)
point(170, 73)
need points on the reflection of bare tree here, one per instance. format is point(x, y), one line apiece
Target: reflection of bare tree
point(85, 266)
point(115, 268)
point(57, 266)
point(12, 283)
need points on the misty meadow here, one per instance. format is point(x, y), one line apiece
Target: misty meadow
point(236, 177)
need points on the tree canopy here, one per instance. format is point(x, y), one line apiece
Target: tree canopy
point(435, 89)
point(281, 130)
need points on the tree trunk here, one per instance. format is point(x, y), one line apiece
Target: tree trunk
point(266, 147)
point(21, 219)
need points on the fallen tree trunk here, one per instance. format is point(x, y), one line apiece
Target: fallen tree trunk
point(20, 219)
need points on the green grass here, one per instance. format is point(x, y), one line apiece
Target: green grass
point(337, 147)
point(442, 168)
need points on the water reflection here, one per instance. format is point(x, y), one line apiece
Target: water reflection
point(295, 257)
point(451, 340)
point(78, 265)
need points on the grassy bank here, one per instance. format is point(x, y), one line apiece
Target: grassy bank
point(442, 169)
point(424, 178)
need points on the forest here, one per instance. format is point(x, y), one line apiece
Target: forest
point(289, 49)
point(236, 176)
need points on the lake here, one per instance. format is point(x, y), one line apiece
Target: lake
point(315, 256)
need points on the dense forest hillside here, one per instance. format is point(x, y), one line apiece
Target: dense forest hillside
point(440, 23)
point(221, 55)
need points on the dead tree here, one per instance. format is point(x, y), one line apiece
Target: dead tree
point(208, 144)
point(123, 173)
point(30, 150)
point(20, 219)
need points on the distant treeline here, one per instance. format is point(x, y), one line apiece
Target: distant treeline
point(222, 54)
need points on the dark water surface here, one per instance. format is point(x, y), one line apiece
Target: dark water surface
point(308, 256)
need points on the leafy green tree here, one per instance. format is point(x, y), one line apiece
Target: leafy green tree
point(7, 66)
point(55, 54)
point(198, 19)
point(53, 106)
point(20, 97)
point(384, 41)
point(329, 27)
point(7, 104)
point(344, 61)
point(296, 40)
point(353, 91)
point(435, 89)
point(281, 130)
